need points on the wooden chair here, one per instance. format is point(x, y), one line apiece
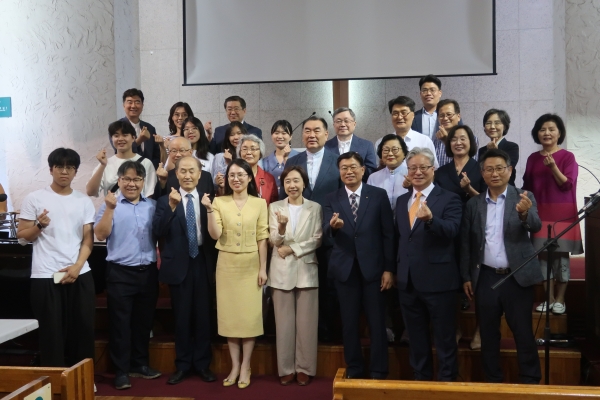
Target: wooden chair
point(28, 389)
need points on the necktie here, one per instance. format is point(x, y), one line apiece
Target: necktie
point(190, 219)
point(412, 213)
point(354, 205)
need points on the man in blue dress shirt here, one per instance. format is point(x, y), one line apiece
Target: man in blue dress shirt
point(125, 221)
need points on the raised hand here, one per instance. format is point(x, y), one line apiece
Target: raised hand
point(493, 144)
point(144, 134)
point(111, 200)
point(287, 150)
point(524, 204)
point(465, 182)
point(282, 220)
point(174, 198)
point(336, 222)
point(43, 218)
point(159, 140)
point(220, 179)
point(206, 202)
point(162, 173)
point(442, 134)
point(406, 184)
point(101, 157)
point(549, 161)
point(227, 156)
point(424, 213)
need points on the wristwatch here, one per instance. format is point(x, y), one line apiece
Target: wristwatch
point(40, 227)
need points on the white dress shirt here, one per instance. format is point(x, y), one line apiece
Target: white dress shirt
point(391, 181)
point(415, 139)
point(138, 130)
point(313, 165)
point(196, 201)
point(494, 253)
point(344, 147)
point(357, 193)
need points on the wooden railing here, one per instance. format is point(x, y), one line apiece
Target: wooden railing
point(28, 389)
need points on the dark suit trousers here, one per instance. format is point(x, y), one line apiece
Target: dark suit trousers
point(131, 295)
point(327, 295)
point(352, 294)
point(516, 302)
point(418, 309)
point(65, 314)
point(191, 308)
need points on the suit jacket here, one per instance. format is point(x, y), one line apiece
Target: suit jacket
point(205, 185)
point(513, 152)
point(417, 124)
point(300, 269)
point(369, 240)
point(219, 134)
point(171, 226)
point(151, 148)
point(447, 178)
point(427, 252)
point(516, 238)
point(362, 147)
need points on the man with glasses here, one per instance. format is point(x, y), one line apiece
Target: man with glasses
point(448, 113)
point(235, 108)
point(402, 111)
point(125, 222)
point(427, 223)
point(359, 219)
point(344, 123)
point(58, 221)
point(495, 239)
point(104, 177)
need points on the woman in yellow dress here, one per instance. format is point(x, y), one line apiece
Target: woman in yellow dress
point(239, 222)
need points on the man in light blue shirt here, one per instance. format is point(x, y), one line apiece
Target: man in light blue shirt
point(125, 221)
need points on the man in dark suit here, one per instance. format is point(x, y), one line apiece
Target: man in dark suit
point(323, 176)
point(235, 107)
point(427, 221)
point(147, 143)
point(495, 239)
point(359, 219)
point(187, 257)
point(344, 123)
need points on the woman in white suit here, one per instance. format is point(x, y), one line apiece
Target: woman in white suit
point(295, 232)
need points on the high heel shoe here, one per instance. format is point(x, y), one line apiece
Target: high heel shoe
point(230, 382)
point(244, 385)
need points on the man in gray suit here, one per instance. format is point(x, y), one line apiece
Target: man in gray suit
point(495, 239)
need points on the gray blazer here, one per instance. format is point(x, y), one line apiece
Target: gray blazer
point(516, 238)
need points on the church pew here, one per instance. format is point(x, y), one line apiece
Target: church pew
point(28, 389)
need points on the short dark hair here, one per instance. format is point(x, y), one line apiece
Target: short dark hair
point(283, 123)
point(432, 79)
point(248, 169)
point(235, 98)
point(298, 169)
point(472, 142)
point(445, 102)
point(315, 118)
point(503, 115)
point(188, 110)
point(139, 169)
point(133, 93)
point(387, 138)
point(64, 157)
point(124, 126)
point(402, 101)
point(349, 155)
point(494, 153)
point(202, 143)
point(226, 145)
point(547, 118)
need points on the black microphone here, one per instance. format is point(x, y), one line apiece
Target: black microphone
point(594, 199)
point(3, 197)
point(314, 112)
point(330, 113)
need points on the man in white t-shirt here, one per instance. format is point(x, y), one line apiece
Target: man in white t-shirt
point(104, 178)
point(58, 221)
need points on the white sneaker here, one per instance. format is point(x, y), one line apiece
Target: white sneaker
point(542, 306)
point(95, 390)
point(390, 335)
point(559, 308)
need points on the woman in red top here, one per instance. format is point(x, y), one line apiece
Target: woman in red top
point(251, 149)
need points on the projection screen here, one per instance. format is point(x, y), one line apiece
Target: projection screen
point(243, 41)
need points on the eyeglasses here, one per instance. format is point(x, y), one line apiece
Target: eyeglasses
point(249, 149)
point(491, 170)
point(422, 168)
point(239, 177)
point(68, 168)
point(461, 139)
point(345, 121)
point(402, 114)
point(191, 130)
point(393, 150)
point(489, 124)
point(236, 109)
point(351, 168)
point(430, 90)
point(447, 115)
point(178, 151)
point(128, 180)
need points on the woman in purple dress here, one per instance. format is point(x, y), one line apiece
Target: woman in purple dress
point(551, 175)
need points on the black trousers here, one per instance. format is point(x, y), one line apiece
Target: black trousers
point(65, 314)
point(516, 302)
point(131, 293)
point(353, 295)
point(418, 310)
point(327, 296)
point(191, 309)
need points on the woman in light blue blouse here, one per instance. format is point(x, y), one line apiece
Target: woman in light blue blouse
point(281, 135)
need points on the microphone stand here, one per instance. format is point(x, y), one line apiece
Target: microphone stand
point(551, 245)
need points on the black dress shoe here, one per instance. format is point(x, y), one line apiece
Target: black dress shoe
point(122, 381)
point(144, 372)
point(354, 376)
point(207, 375)
point(376, 375)
point(177, 377)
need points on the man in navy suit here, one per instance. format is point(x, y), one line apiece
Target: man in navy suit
point(187, 256)
point(359, 219)
point(323, 176)
point(427, 221)
point(147, 143)
point(344, 123)
point(235, 107)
